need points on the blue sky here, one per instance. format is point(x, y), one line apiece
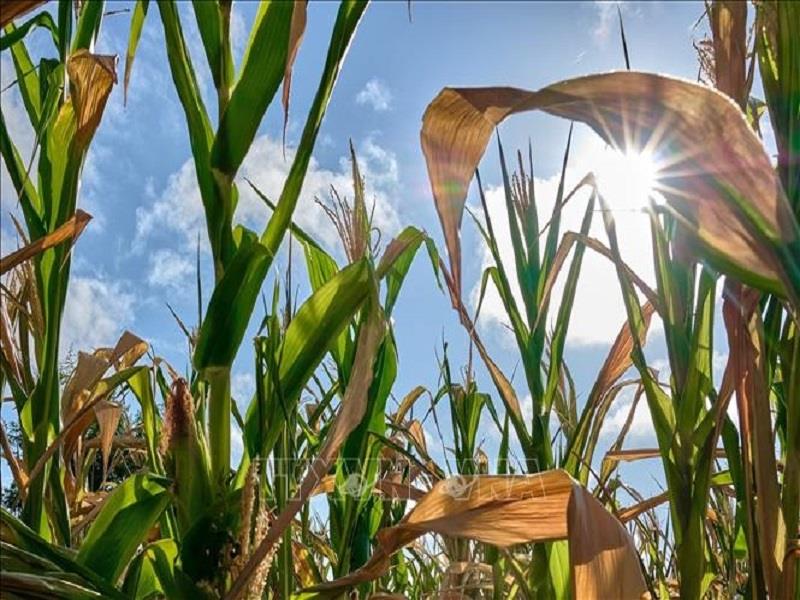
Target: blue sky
point(138, 252)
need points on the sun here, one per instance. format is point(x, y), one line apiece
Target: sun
point(627, 180)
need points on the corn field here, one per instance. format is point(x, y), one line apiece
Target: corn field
point(121, 478)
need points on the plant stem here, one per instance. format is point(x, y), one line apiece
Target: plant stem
point(219, 425)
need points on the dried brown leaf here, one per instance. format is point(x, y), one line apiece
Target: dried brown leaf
point(746, 363)
point(705, 150)
point(68, 231)
point(508, 510)
point(91, 78)
point(11, 9)
point(108, 415)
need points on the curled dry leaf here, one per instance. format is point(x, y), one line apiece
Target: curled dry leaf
point(508, 510)
point(712, 169)
point(108, 415)
point(91, 78)
point(408, 402)
point(84, 389)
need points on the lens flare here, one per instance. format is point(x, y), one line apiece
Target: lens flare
point(626, 179)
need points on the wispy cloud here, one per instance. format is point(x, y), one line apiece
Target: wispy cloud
point(168, 227)
point(606, 14)
point(169, 269)
point(97, 311)
point(375, 94)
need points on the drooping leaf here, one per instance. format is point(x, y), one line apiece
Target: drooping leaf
point(122, 524)
point(108, 415)
point(42, 19)
point(508, 510)
point(713, 170)
point(17, 538)
point(70, 230)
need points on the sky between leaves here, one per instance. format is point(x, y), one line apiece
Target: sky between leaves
point(138, 254)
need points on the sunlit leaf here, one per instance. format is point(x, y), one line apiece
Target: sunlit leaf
point(712, 169)
point(504, 511)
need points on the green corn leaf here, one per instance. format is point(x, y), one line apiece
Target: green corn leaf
point(19, 541)
point(137, 23)
point(43, 19)
point(88, 24)
point(209, 22)
point(141, 386)
point(56, 587)
point(123, 522)
point(559, 336)
point(347, 19)
point(155, 573)
point(27, 78)
point(554, 226)
point(396, 262)
point(262, 71)
point(65, 10)
point(318, 321)
point(201, 135)
point(698, 378)
point(231, 306)
point(23, 185)
point(524, 276)
point(309, 337)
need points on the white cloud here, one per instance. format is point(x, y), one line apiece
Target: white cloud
point(243, 386)
point(97, 311)
point(237, 445)
point(641, 430)
point(606, 13)
point(169, 269)
point(598, 311)
point(20, 132)
point(375, 94)
point(179, 210)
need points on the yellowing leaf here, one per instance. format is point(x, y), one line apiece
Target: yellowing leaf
point(712, 169)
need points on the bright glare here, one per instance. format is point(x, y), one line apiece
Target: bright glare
point(626, 180)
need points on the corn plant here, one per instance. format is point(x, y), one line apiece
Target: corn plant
point(351, 515)
point(64, 97)
point(188, 525)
